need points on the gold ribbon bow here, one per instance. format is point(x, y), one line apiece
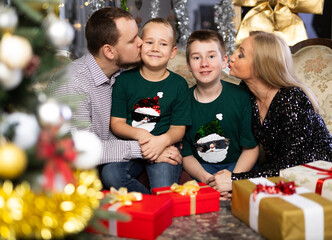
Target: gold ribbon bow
point(188, 188)
point(277, 16)
point(122, 196)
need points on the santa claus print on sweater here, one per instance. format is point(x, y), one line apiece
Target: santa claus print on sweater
point(147, 113)
point(211, 144)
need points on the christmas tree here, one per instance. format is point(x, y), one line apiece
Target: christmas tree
point(48, 185)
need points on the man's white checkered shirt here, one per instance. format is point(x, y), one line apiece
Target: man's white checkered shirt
point(85, 77)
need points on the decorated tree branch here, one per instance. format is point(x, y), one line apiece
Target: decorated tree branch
point(49, 187)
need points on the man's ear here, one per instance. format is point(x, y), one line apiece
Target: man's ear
point(174, 51)
point(108, 51)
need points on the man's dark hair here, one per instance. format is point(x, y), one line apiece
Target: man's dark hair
point(101, 28)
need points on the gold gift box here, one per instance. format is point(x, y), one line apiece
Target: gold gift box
point(277, 218)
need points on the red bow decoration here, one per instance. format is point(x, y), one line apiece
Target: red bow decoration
point(58, 154)
point(320, 182)
point(281, 188)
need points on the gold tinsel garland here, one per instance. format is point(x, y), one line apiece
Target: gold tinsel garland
point(25, 214)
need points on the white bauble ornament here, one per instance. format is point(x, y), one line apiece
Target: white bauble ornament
point(60, 33)
point(89, 148)
point(49, 113)
point(53, 113)
point(26, 129)
point(8, 18)
point(9, 78)
point(15, 51)
point(66, 112)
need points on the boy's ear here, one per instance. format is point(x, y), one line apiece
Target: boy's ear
point(189, 68)
point(174, 51)
point(108, 51)
point(224, 61)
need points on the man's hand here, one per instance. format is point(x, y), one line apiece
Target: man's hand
point(170, 155)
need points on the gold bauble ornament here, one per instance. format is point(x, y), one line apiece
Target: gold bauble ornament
point(13, 161)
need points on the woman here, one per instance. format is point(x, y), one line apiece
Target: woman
point(285, 113)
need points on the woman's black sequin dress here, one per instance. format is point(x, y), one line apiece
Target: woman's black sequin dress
point(291, 134)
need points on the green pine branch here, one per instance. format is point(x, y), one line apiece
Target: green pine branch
point(24, 8)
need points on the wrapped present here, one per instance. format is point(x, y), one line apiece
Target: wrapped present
point(277, 16)
point(190, 198)
point(316, 176)
point(276, 211)
point(150, 215)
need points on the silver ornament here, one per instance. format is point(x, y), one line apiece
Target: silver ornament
point(60, 32)
point(26, 128)
point(89, 148)
point(8, 18)
point(155, 6)
point(9, 78)
point(97, 4)
point(53, 113)
point(182, 21)
point(223, 18)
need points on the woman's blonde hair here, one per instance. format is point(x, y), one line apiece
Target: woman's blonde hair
point(273, 63)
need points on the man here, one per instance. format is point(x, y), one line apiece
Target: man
point(113, 43)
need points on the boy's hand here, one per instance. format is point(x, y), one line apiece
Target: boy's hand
point(225, 196)
point(142, 135)
point(170, 155)
point(152, 147)
point(221, 181)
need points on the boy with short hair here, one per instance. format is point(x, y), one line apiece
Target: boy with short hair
point(220, 136)
point(151, 104)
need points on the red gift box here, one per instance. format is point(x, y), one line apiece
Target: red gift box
point(149, 218)
point(206, 200)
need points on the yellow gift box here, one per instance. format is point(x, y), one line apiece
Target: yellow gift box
point(303, 215)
